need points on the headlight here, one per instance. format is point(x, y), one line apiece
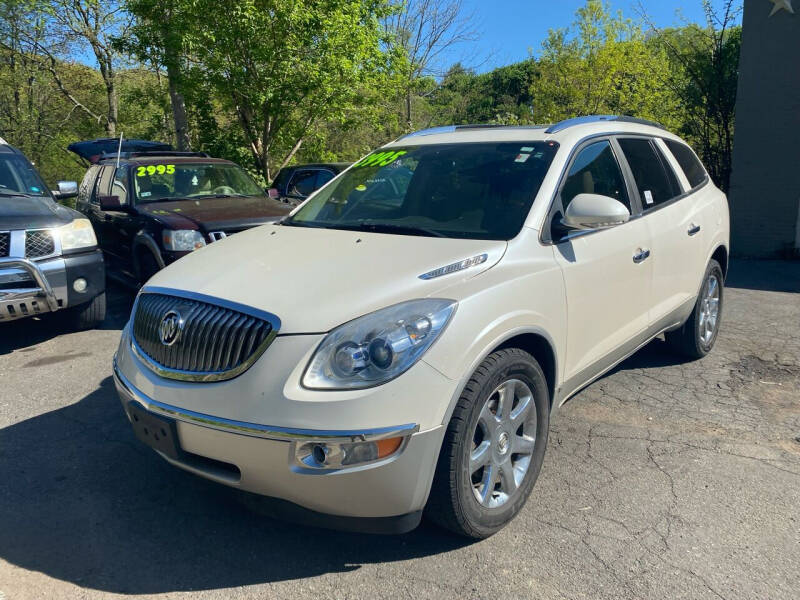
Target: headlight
point(78, 234)
point(183, 239)
point(377, 347)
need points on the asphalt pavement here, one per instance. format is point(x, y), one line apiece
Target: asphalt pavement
point(662, 480)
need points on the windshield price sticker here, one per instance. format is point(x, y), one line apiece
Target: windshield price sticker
point(380, 159)
point(150, 170)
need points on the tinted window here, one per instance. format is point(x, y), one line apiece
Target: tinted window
point(87, 185)
point(323, 177)
point(303, 183)
point(477, 190)
point(119, 186)
point(282, 179)
point(103, 183)
point(655, 184)
point(691, 165)
point(595, 171)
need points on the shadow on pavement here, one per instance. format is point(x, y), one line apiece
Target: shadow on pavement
point(83, 501)
point(767, 275)
point(26, 333)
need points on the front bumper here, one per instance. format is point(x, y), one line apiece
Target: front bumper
point(389, 493)
point(28, 288)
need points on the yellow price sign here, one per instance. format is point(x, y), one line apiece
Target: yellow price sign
point(150, 170)
point(380, 159)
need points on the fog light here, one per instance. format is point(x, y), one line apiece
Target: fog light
point(320, 455)
point(80, 285)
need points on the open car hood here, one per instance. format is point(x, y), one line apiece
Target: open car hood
point(92, 150)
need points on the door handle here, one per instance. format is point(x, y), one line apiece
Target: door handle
point(693, 229)
point(641, 255)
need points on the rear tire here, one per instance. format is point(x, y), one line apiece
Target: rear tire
point(88, 315)
point(697, 336)
point(493, 448)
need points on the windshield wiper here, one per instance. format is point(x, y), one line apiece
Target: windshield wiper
point(15, 194)
point(378, 227)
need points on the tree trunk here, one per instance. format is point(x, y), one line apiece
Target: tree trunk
point(182, 140)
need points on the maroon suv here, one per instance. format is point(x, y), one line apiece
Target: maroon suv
point(151, 208)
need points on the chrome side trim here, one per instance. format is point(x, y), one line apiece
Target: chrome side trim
point(129, 393)
point(204, 376)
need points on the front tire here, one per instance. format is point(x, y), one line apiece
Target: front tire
point(88, 315)
point(697, 336)
point(494, 446)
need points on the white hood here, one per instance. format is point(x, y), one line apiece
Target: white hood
point(316, 279)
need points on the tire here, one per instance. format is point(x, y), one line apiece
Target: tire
point(148, 266)
point(455, 500)
point(88, 315)
point(697, 336)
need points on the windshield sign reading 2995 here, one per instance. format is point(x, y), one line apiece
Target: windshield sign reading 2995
point(153, 169)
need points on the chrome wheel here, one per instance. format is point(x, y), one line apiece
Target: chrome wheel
point(709, 310)
point(503, 443)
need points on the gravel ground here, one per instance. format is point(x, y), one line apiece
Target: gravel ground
point(662, 480)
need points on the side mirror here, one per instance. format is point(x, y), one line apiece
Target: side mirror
point(66, 189)
point(593, 211)
point(111, 203)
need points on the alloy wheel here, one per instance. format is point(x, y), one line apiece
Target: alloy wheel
point(709, 310)
point(503, 443)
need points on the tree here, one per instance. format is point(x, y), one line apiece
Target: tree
point(703, 76)
point(421, 31)
point(602, 64)
point(158, 37)
point(283, 66)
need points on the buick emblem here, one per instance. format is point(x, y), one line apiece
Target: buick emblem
point(170, 328)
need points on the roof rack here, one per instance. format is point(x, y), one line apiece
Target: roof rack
point(562, 125)
point(452, 128)
point(148, 153)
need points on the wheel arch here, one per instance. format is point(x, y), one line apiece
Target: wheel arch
point(144, 242)
point(534, 340)
point(720, 254)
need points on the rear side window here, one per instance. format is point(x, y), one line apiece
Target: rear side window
point(655, 181)
point(691, 165)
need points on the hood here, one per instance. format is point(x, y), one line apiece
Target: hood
point(92, 150)
point(32, 213)
point(216, 214)
point(316, 279)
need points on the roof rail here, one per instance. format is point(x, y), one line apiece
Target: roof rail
point(452, 128)
point(562, 125)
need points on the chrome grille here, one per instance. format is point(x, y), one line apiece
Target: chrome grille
point(217, 340)
point(4, 243)
point(39, 244)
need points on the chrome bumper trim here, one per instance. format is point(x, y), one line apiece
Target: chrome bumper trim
point(129, 393)
point(43, 289)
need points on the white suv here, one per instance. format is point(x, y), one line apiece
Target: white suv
point(399, 343)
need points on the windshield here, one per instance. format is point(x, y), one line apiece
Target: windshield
point(159, 181)
point(18, 177)
point(479, 191)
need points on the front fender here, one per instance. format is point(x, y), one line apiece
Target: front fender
point(145, 239)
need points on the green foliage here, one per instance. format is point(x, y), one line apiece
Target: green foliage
point(268, 82)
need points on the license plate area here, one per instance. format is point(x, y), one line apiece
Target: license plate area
point(159, 433)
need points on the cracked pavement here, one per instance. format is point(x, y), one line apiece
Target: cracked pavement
point(662, 480)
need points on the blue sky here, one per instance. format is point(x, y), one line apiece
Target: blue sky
point(509, 29)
